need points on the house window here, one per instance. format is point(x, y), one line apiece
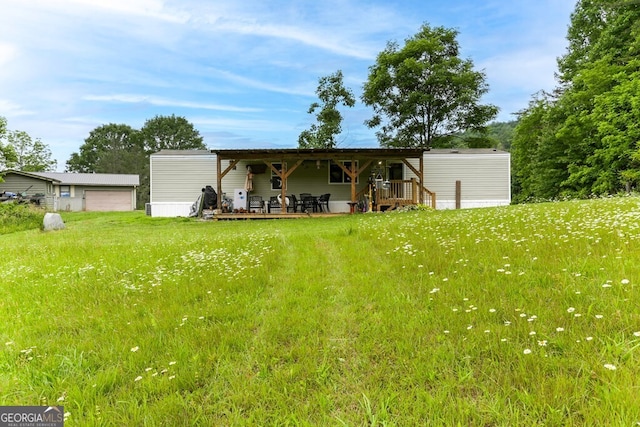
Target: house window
point(276, 182)
point(65, 191)
point(337, 175)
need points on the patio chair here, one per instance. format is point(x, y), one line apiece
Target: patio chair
point(308, 204)
point(323, 202)
point(256, 203)
point(293, 206)
point(273, 204)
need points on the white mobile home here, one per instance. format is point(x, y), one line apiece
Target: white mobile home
point(440, 178)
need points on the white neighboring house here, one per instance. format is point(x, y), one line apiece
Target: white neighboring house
point(63, 191)
point(465, 178)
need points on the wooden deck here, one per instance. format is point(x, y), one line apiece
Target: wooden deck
point(400, 193)
point(209, 215)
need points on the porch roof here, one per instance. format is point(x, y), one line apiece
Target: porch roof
point(318, 154)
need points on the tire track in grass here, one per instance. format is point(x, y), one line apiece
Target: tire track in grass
point(304, 330)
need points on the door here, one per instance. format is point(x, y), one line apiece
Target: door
point(96, 200)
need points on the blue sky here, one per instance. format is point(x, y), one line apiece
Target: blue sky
point(244, 72)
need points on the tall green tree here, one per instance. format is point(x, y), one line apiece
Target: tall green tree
point(30, 155)
point(423, 93)
point(19, 151)
point(170, 133)
point(114, 148)
point(111, 148)
point(538, 158)
point(331, 92)
point(8, 155)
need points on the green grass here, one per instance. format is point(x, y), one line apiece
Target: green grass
point(500, 316)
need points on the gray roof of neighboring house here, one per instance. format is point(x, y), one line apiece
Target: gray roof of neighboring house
point(106, 179)
point(95, 179)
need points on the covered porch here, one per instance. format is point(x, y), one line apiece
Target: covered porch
point(364, 172)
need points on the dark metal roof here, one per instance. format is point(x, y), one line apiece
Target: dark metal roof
point(320, 154)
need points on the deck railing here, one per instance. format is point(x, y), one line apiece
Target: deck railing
point(398, 193)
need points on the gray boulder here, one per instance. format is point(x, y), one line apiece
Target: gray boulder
point(53, 221)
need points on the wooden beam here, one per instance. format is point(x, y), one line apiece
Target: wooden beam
point(219, 183)
point(232, 164)
point(421, 178)
point(283, 187)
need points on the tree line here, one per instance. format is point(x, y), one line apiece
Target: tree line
point(111, 148)
point(581, 139)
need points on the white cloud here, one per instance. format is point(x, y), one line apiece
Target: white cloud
point(259, 84)
point(529, 70)
point(256, 126)
point(7, 53)
point(322, 40)
point(140, 8)
point(10, 108)
point(163, 102)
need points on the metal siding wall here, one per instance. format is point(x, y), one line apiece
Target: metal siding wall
point(19, 184)
point(307, 178)
point(181, 178)
point(235, 179)
point(71, 204)
point(483, 176)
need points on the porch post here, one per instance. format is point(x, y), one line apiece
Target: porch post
point(421, 178)
point(283, 191)
point(353, 179)
point(219, 183)
point(414, 191)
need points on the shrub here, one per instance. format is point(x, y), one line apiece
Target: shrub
point(18, 217)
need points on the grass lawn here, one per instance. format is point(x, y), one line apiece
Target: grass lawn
point(521, 315)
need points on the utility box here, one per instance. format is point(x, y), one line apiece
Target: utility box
point(239, 198)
